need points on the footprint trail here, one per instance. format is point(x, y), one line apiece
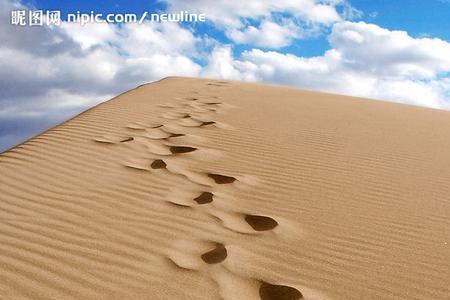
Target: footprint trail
point(200, 255)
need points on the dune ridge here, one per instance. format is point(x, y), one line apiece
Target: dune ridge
point(210, 189)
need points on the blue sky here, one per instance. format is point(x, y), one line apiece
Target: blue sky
point(389, 50)
point(418, 17)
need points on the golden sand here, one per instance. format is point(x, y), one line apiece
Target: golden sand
point(200, 189)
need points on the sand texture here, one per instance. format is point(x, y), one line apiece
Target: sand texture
point(201, 189)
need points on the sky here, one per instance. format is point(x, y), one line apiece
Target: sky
point(390, 50)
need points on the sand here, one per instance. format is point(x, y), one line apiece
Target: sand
point(201, 189)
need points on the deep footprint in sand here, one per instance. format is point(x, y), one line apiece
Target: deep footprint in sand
point(215, 256)
point(158, 164)
point(204, 198)
point(181, 149)
point(221, 179)
point(269, 291)
point(260, 223)
point(196, 254)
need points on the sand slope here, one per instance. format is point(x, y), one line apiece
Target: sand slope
point(201, 189)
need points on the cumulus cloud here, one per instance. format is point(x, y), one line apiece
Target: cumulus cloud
point(221, 64)
point(268, 34)
point(364, 60)
point(270, 23)
point(228, 13)
point(62, 70)
point(390, 53)
point(48, 74)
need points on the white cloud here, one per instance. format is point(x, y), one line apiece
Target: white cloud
point(411, 92)
point(390, 53)
point(259, 23)
point(47, 74)
point(365, 60)
point(228, 13)
point(51, 73)
point(221, 65)
point(268, 34)
point(90, 34)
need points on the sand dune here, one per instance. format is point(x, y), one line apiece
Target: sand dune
point(200, 189)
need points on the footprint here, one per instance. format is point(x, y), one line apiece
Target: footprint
point(244, 223)
point(204, 198)
point(196, 254)
point(137, 164)
point(221, 179)
point(104, 141)
point(260, 223)
point(113, 139)
point(157, 148)
point(207, 123)
point(269, 291)
point(156, 134)
point(135, 126)
point(190, 195)
point(141, 126)
point(190, 122)
point(174, 135)
point(181, 149)
point(158, 164)
point(179, 205)
point(161, 134)
point(215, 256)
point(127, 140)
point(173, 115)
